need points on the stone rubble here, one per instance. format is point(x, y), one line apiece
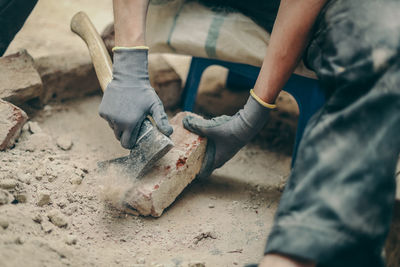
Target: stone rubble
point(64, 142)
point(57, 218)
point(19, 86)
point(12, 119)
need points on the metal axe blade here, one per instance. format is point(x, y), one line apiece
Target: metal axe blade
point(151, 144)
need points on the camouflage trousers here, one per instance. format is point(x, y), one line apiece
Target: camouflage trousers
point(337, 205)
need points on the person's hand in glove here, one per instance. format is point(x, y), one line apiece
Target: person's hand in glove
point(228, 134)
point(129, 97)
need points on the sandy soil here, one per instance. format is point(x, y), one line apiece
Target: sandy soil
point(222, 221)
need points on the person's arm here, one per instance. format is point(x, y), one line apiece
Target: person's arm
point(130, 22)
point(288, 40)
point(227, 135)
point(129, 97)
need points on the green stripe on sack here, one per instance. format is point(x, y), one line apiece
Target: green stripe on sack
point(213, 34)
point(171, 31)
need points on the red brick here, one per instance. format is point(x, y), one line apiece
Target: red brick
point(12, 118)
point(158, 189)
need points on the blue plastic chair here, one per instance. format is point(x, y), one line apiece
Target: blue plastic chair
point(309, 96)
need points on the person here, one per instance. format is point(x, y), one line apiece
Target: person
point(337, 204)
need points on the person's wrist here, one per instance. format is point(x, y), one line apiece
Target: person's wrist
point(130, 66)
point(260, 101)
point(129, 48)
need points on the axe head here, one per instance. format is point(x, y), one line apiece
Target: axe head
point(150, 146)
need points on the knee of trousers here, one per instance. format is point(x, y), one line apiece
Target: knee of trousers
point(354, 41)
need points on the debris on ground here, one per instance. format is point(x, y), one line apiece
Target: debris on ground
point(64, 142)
point(12, 119)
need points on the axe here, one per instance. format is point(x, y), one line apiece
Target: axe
point(151, 144)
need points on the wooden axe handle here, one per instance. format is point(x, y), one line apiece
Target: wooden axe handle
point(82, 26)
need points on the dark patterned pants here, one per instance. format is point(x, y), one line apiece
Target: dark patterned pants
point(13, 14)
point(336, 208)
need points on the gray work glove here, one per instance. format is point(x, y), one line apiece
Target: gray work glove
point(228, 134)
point(129, 97)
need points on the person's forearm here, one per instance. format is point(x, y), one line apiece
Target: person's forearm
point(130, 22)
point(288, 40)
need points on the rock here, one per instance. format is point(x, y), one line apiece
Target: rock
point(71, 240)
point(170, 175)
point(5, 197)
point(211, 206)
point(62, 203)
point(24, 178)
point(66, 76)
point(57, 218)
point(12, 119)
point(4, 223)
point(19, 240)
point(204, 235)
point(8, 184)
point(71, 209)
point(64, 142)
point(37, 218)
point(34, 127)
point(37, 142)
point(141, 261)
point(76, 180)
point(25, 128)
point(197, 264)
point(19, 78)
point(21, 197)
point(47, 227)
point(43, 199)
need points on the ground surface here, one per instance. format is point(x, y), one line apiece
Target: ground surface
point(223, 221)
point(233, 210)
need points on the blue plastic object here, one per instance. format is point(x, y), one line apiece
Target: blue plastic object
point(309, 96)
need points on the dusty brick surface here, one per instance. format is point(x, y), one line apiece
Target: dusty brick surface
point(12, 119)
point(19, 78)
point(158, 189)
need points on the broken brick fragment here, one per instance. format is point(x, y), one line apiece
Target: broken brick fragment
point(19, 78)
point(12, 119)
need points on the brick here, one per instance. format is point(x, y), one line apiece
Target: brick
point(157, 190)
point(19, 78)
point(67, 75)
point(12, 119)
